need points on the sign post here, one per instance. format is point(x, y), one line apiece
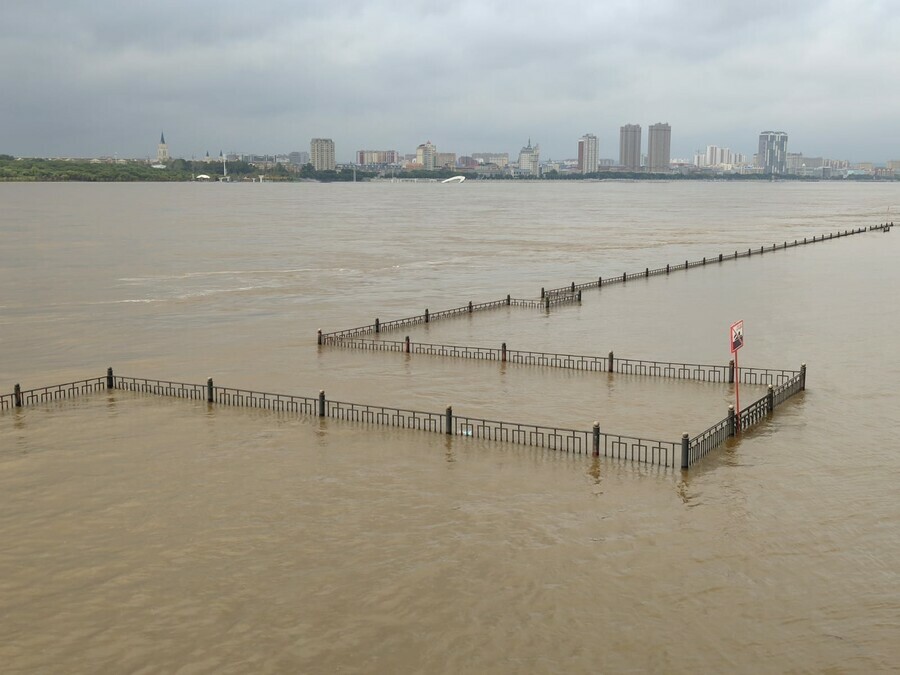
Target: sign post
point(736, 342)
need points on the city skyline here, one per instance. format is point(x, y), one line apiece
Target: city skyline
point(96, 78)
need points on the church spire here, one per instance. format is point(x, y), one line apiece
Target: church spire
point(162, 138)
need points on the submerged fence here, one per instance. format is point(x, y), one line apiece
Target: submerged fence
point(607, 364)
point(682, 453)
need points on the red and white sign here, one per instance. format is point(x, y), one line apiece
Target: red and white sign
point(737, 336)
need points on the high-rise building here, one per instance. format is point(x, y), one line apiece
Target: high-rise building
point(425, 155)
point(659, 145)
point(321, 154)
point(445, 160)
point(530, 160)
point(630, 147)
point(162, 150)
point(772, 155)
point(588, 153)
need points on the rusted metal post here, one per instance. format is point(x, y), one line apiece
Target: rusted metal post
point(17, 395)
point(803, 377)
point(377, 326)
point(770, 398)
point(731, 424)
point(426, 315)
point(596, 439)
point(209, 390)
point(110, 381)
point(685, 451)
point(321, 403)
point(448, 428)
point(731, 372)
point(503, 353)
point(406, 345)
point(610, 364)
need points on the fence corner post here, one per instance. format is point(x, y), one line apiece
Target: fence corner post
point(685, 450)
point(596, 439)
point(609, 367)
point(448, 428)
point(209, 390)
point(503, 353)
point(731, 372)
point(17, 395)
point(770, 398)
point(321, 403)
point(731, 427)
point(319, 336)
point(110, 381)
point(802, 377)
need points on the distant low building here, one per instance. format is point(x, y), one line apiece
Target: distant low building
point(377, 158)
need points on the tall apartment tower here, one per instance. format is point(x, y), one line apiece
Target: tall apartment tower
point(426, 154)
point(530, 160)
point(659, 144)
point(772, 155)
point(162, 150)
point(321, 154)
point(588, 153)
point(630, 147)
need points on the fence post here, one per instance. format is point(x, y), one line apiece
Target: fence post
point(731, 372)
point(731, 428)
point(110, 383)
point(624, 277)
point(377, 325)
point(470, 306)
point(770, 398)
point(448, 429)
point(704, 260)
point(17, 395)
point(685, 451)
point(319, 336)
point(685, 264)
point(321, 403)
point(503, 353)
point(802, 377)
point(508, 299)
point(596, 439)
point(573, 287)
point(426, 314)
point(547, 303)
point(646, 272)
point(599, 282)
point(579, 296)
point(610, 368)
point(209, 390)
point(720, 257)
point(542, 292)
point(667, 268)
point(406, 345)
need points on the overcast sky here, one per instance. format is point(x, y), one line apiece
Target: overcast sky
point(100, 77)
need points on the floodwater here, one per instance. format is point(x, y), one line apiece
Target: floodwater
point(144, 534)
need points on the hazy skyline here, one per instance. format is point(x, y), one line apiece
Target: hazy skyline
point(95, 78)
